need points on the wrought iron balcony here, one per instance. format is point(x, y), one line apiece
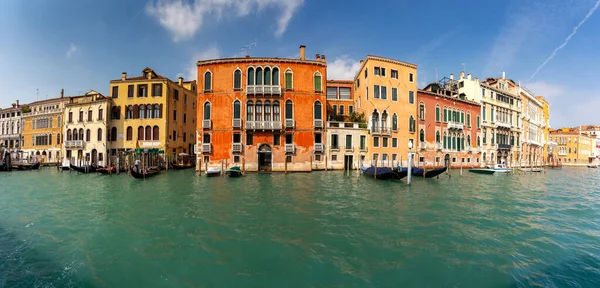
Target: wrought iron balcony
point(206, 147)
point(206, 124)
point(237, 148)
point(319, 147)
point(289, 123)
point(290, 148)
point(74, 144)
point(349, 149)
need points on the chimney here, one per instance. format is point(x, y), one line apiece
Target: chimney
point(469, 76)
point(476, 79)
point(17, 103)
point(62, 93)
point(503, 74)
point(180, 81)
point(322, 58)
point(361, 62)
point(302, 52)
point(462, 74)
point(318, 57)
point(149, 74)
point(123, 76)
point(451, 76)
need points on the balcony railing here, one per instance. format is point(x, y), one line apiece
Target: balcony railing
point(318, 123)
point(423, 145)
point(263, 125)
point(470, 149)
point(381, 131)
point(236, 123)
point(206, 147)
point(74, 144)
point(263, 89)
point(363, 149)
point(43, 112)
point(237, 148)
point(334, 147)
point(504, 146)
point(289, 123)
point(349, 149)
point(438, 146)
point(503, 124)
point(455, 125)
point(206, 124)
point(290, 148)
point(319, 147)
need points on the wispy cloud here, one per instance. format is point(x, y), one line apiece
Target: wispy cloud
point(434, 43)
point(191, 71)
point(342, 68)
point(566, 41)
point(72, 50)
point(184, 19)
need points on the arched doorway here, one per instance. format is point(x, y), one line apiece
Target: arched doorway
point(447, 160)
point(264, 157)
point(94, 157)
point(43, 157)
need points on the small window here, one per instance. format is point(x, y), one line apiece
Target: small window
point(376, 142)
point(363, 142)
point(411, 97)
point(385, 142)
point(376, 92)
point(237, 80)
point(394, 74)
point(249, 139)
point(115, 92)
point(394, 142)
point(333, 158)
point(207, 81)
point(156, 89)
point(130, 91)
point(317, 80)
point(289, 80)
point(350, 109)
point(288, 159)
point(411, 77)
point(377, 71)
point(142, 90)
point(394, 94)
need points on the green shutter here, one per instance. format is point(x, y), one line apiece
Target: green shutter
point(317, 83)
point(288, 81)
point(468, 120)
point(462, 117)
point(437, 114)
point(445, 115)
point(444, 141)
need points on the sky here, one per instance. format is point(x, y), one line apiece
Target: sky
point(548, 46)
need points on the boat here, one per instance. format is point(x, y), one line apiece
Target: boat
point(380, 173)
point(84, 169)
point(66, 165)
point(592, 166)
point(420, 172)
point(532, 169)
point(149, 172)
point(399, 173)
point(234, 171)
point(26, 166)
point(482, 170)
point(498, 168)
point(179, 166)
point(213, 172)
point(107, 170)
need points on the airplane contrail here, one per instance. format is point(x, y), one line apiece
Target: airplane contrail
point(589, 14)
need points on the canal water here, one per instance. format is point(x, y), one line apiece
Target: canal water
point(318, 229)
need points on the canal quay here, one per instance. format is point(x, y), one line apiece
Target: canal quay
point(320, 229)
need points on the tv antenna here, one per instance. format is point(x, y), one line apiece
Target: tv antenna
point(464, 67)
point(246, 49)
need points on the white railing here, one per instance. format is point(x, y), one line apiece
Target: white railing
point(455, 125)
point(336, 124)
point(319, 147)
point(237, 147)
point(43, 112)
point(263, 89)
point(206, 147)
point(503, 124)
point(318, 123)
point(206, 124)
point(236, 123)
point(289, 123)
point(263, 125)
point(149, 144)
point(290, 148)
point(423, 145)
point(73, 143)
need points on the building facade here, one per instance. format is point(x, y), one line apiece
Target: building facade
point(85, 123)
point(42, 127)
point(500, 116)
point(151, 111)
point(449, 128)
point(594, 132)
point(546, 143)
point(573, 147)
point(386, 92)
point(533, 129)
point(266, 114)
point(346, 128)
point(10, 120)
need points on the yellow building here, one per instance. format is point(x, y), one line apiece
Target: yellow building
point(151, 111)
point(546, 128)
point(386, 92)
point(85, 121)
point(573, 147)
point(42, 127)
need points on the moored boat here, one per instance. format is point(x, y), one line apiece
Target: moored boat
point(380, 173)
point(26, 166)
point(178, 166)
point(498, 168)
point(234, 171)
point(107, 170)
point(399, 173)
point(213, 172)
point(145, 173)
point(84, 169)
point(592, 166)
point(532, 169)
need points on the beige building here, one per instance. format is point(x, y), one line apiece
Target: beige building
point(533, 125)
point(85, 129)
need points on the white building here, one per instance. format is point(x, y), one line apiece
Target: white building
point(533, 127)
point(10, 133)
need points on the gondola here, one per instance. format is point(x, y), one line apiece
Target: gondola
point(107, 170)
point(380, 173)
point(26, 166)
point(84, 169)
point(234, 171)
point(181, 166)
point(399, 173)
point(151, 172)
point(418, 172)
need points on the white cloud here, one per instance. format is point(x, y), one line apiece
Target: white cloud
point(185, 18)
point(548, 90)
point(191, 71)
point(72, 50)
point(342, 68)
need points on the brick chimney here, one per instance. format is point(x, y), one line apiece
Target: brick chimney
point(322, 58)
point(318, 57)
point(462, 74)
point(62, 93)
point(17, 103)
point(302, 52)
point(123, 76)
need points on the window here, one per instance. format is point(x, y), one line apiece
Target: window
point(237, 80)
point(289, 110)
point(482, 92)
point(155, 133)
point(382, 72)
point(345, 93)
point(142, 90)
point(385, 142)
point(237, 110)
point(140, 133)
point(70, 118)
point(81, 116)
point(318, 138)
point(332, 92)
point(383, 92)
point(363, 142)
point(113, 133)
point(394, 73)
point(377, 71)
point(394, 142)
point(258, 111)
point(184, 98)
point(334, 141)
point(366, 73)
point(395, 122)
point(411, 124)
point(341, 109)
point(130, 91)
point(157, 111)
point(250, 111)
point(149, 133)
point(206, 112)
point(394, 94)
point(445, 115)
point(422, 111)
point(184, 118)
point(141, 111)
point(484, 113)
point(376, 142)
point(317, 80)
point(289, 80)
point(249, 139)
point(437, 113)
point(376, 92)
point(468, 120)
point(411, 97)
point(461, 84)
point(89, 114)
point(437, 137)
point(276, 139)
point(422, 136)
point(276, 76)
point(348, 142)
point(276, 112)
point(259, 76)
point(100, 114)
point(57, 138)
point(267, 76)
point(207, 81)
point(250, 77)
point(411, 77)
point(318, 113)
point(99, 136)
point(157, 89)
point(174, 135)
point(115, 92)
point(88, 135)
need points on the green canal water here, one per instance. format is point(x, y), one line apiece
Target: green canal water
point(299, 230)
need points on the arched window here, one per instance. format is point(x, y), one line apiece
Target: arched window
point(276, 112)
point(437, 137)
point(156, 111)
point(289, 79)
point(113, 134)
point(88, 135)
point(478, 141)
point(58, 139)
point(445, 140)
point(267, 110)
point(250, 76)
point(258, 111)
point(469, 140)
point(207, 81)
point(318, 113)
point(129, 133)
point(237, 109)
point(142, 112)
point(267, 76)
point(375, 121)
point(80, 133)
point(259, 76)
point(384, 117)
point(421, 111)
point(275, 76)
point(317, 82)
point(289, 110)
point(207, 111)
point(237, 79)
point(250, 111)
point(411, 124)
point(99, 134)
point(69, 135)
point(395, 122)
point(148, 133)
point(155, 133)
point(422, 136)
point(140, 133)
point(149, 111)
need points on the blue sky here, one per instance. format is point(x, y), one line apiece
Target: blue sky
point(82, 45)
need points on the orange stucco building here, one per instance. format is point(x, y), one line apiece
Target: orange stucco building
point(265, 113)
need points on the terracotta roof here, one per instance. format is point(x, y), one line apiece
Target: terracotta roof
point(379, 58)
point(448, 97)
point(260, 59)
point(340, 82)
point(51, 100)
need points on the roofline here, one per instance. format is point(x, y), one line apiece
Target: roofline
point(50, 100)
point(150, 80)
point(259, 59)
point(384, 59)
point(466, 101)
point(341, 81)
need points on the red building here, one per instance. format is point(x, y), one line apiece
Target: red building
point(448, 127)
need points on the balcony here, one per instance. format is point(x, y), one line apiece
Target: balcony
point(504, 146)
point(236, 123)
point(423, 145)
point(263, 125)
point(380, 131)
point(237, 148)
point(363, 149)
point(290, 148)
point(206, 147)
point(349, 149)
point(469, 149)
point(206, 124)
point(263, 90)
point(318, 123)
point(43, 112)
point(334, 148)
point(319, 148)
point(503, 124)
point(438, 146)
point(289, 123)
point(74, 144)
point(455, 125)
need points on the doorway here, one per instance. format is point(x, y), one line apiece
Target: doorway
point(348, 162)
point(265, 156)
point(94, 157)
point(447, 160)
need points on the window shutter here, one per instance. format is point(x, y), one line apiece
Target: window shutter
point(288, 81)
